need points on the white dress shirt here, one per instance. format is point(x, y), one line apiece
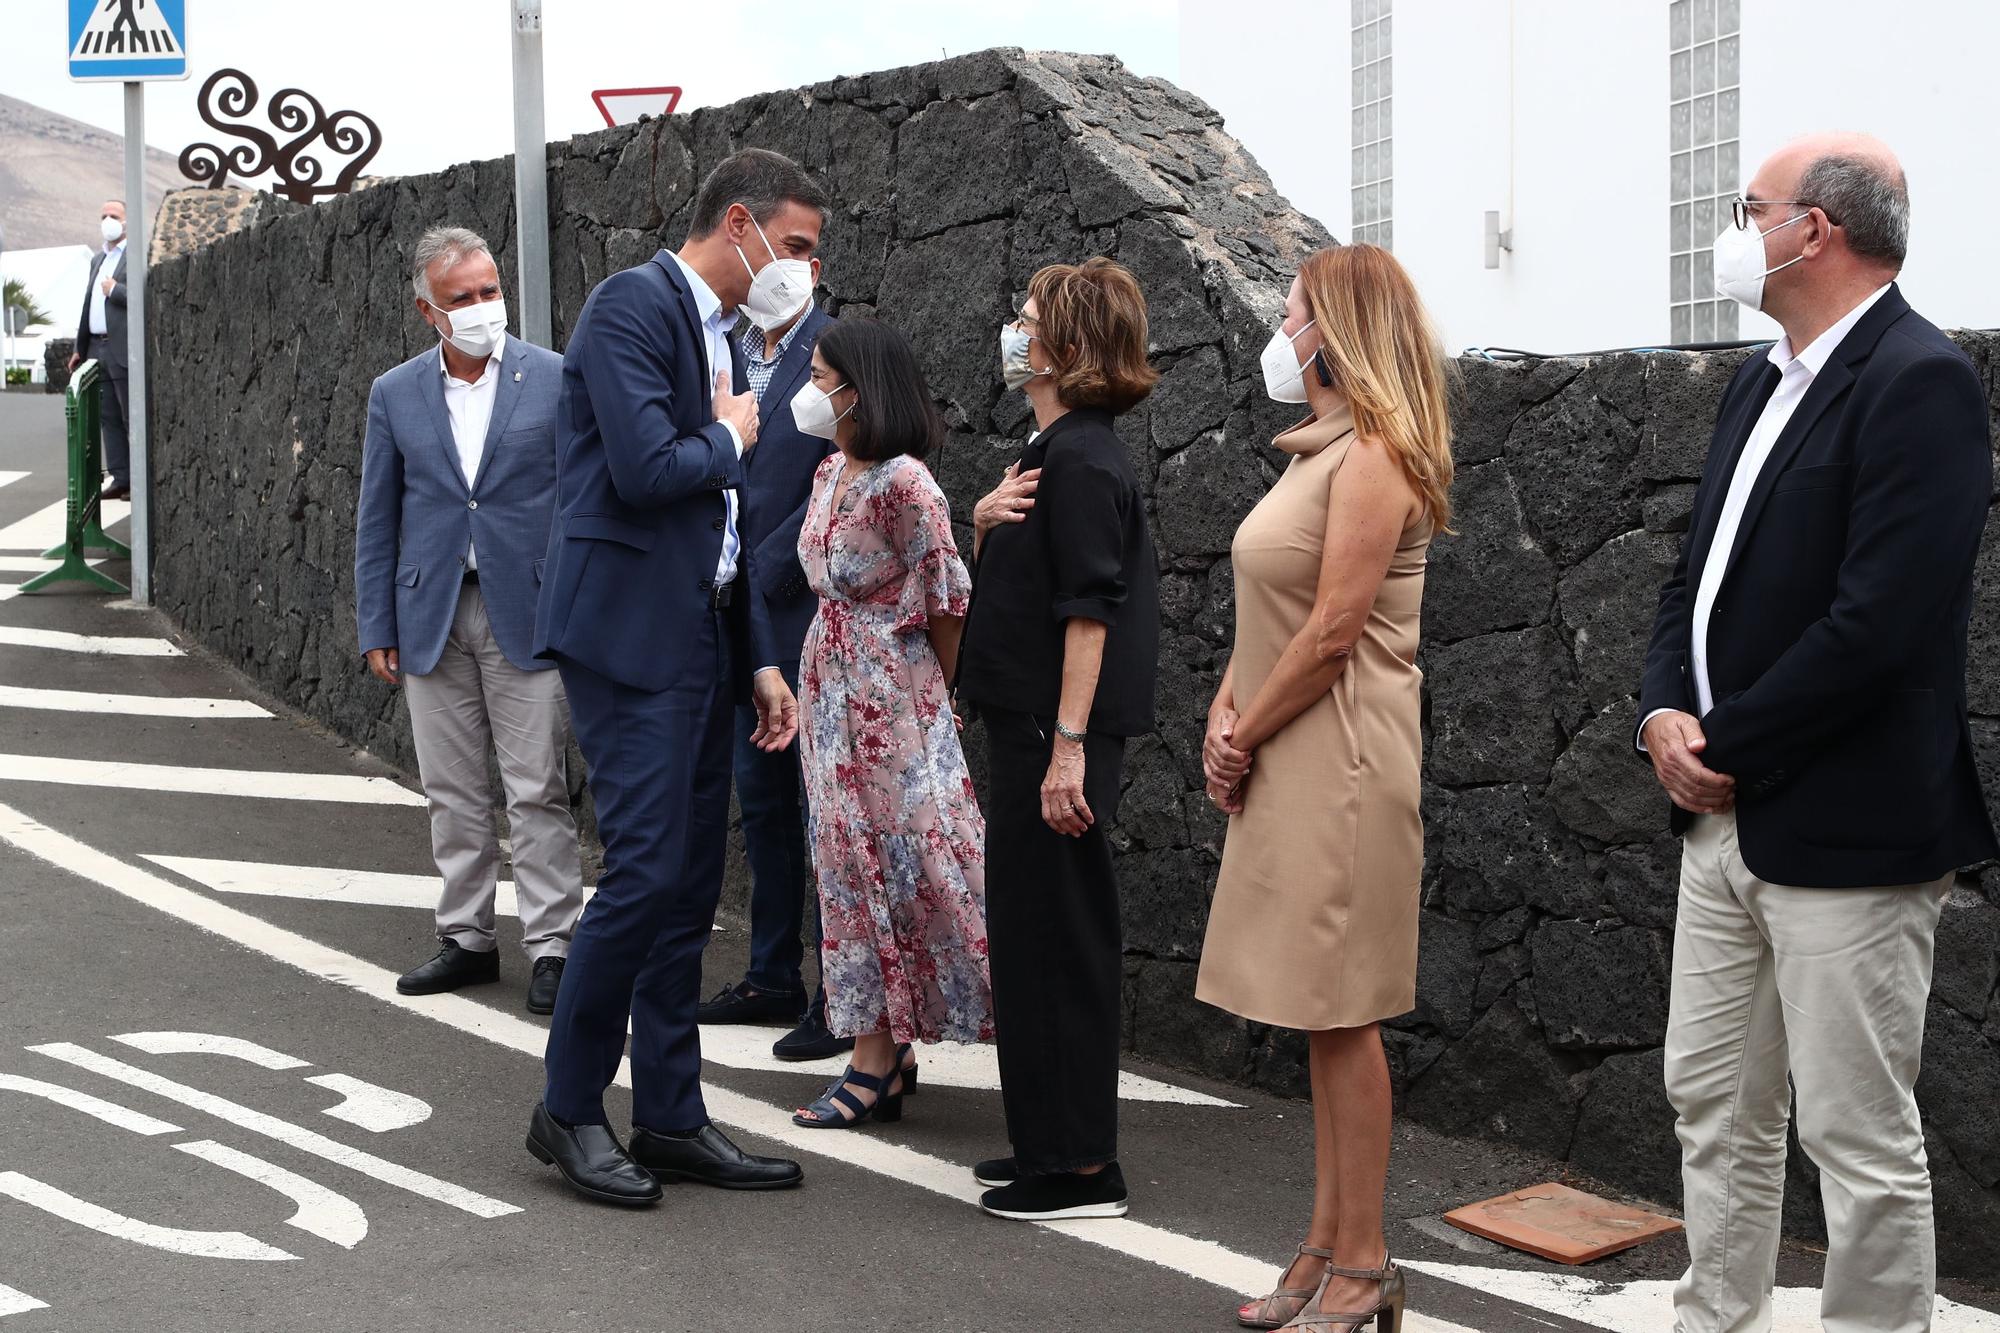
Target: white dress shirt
point(715, 336)
point(109, 268)
point(1796, 374)
point(470, 407)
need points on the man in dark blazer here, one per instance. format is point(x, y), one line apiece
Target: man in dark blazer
point(646, 569)
point(100, 335)
point(1804, 708)
point(777, 480)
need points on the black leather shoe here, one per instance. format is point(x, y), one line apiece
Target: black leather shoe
point(542, 987)
point(592, 1160)
point(709, 1158)
point(453, 967)
point(116, 493)
point(744, 1003)
point(812, 1039)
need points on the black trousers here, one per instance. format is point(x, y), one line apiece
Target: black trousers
point(1055, 950)
point(113, 396)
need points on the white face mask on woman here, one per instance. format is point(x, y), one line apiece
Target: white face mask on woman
point(812, 411)
point(1284, 375)
point(476, 328)
point(779, 290)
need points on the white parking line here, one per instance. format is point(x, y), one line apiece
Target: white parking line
point(201, 1244)
point(125, 705)
point(206, 781)
point(1202, 1260)
point(111, 1113)
point(322, 1212)
point(209, 1043)
point(20, 636)
point(46, 527)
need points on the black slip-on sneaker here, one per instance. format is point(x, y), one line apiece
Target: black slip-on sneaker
point(1059, 1197)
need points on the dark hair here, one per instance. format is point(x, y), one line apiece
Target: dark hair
point(1091, 318)
point(1869, 200)
point(893, 412)
point(760, 180)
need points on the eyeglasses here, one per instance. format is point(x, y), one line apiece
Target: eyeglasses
point(1739, 209)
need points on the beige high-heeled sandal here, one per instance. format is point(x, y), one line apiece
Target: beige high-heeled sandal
point(1284, 1304)
point(1387, 1315)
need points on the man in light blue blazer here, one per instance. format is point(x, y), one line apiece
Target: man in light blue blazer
point(458, 483)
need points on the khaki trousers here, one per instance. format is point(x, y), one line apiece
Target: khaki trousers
point(472, 701)
point(1828, 985)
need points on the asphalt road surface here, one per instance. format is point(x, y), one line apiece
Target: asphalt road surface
point(220, 1116)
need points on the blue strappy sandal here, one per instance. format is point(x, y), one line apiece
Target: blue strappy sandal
point(825, 1113)
point(909, 1074)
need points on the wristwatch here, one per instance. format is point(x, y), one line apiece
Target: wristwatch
point(1069, 735)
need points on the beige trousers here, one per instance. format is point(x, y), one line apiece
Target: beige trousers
point(1828, 985)
point(472, 701)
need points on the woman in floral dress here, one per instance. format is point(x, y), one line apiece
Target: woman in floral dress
point(897, 839)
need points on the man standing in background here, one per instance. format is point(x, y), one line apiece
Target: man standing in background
point(777, 486)
point(100, 334)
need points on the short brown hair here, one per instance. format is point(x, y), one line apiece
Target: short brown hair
point(1091, 319)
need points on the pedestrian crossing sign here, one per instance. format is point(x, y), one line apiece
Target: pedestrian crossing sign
point(119, 41)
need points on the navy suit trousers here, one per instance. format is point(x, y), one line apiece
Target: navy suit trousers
point(659, 772)
point(771, 793)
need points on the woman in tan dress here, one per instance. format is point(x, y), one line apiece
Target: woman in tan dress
point(1314, 747)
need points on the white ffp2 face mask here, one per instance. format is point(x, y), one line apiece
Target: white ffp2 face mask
point(779, 290)
point(475, 329)
point(812, 411)
point(113, 230)
point(1284, 375)
point(1739, 262)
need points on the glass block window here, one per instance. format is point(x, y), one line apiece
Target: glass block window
point(1703, 162)
point(1369, 173)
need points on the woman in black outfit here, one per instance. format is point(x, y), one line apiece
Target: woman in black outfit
point(1060, 650)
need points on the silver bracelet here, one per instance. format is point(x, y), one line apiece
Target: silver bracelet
point(1069, 735)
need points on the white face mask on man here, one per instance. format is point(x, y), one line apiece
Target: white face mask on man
point(113, 229)
point(475, 329)
point(1739, 262)
point(812, 411)
point(779, 290)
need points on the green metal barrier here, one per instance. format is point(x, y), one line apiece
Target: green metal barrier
point(83, 532)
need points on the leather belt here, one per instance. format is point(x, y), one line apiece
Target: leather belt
point(723, 594)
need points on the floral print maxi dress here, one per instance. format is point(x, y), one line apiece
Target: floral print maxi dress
point(898, 843)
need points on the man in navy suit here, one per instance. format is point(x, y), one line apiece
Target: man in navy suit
point(100, 335)
point(647, 580)
point(458, 477)
point(777, 478)
point(1804, 708)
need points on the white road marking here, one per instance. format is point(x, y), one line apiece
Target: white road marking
point(9, 591)
point(371, 1106)
point(948, 1064)
point(1647, 1307)
point(284, 1131)
point(325, 884)
point(18, 1302)
point(206, 781)
point(35, 564)
point(20, 636)
point(125, 705)
point(1202, 1260)
point(209, 1043)
point(49, 525)
point(323, 1213)
point(111, 1113)
point(8, 479)
point(201, 1244)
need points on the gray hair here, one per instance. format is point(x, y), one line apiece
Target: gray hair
point(760, 180)
point(450, 243)
point(1868, 200)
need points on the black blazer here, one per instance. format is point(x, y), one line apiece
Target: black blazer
point(777, 488)
point(1084, 550)
point(1836, 647)
point(113, 357)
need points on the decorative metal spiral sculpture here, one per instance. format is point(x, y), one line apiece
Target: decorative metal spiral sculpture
point(225, 103)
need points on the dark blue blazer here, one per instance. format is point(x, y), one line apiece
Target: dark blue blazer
point(1837, 642)
point(641, 466)
point(416, 517)
point(777, 483)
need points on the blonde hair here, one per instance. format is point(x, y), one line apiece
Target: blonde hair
point(1386, 360)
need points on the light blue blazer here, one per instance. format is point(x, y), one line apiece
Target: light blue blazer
point(417, 518)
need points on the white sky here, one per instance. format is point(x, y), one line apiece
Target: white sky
point(436, 76)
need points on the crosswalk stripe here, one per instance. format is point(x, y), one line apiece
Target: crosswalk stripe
point(1202, 1260)
point(20, 636)
point(33, 564)
point(9, 478)
point(206, 781)
point(125, 705)
point(47, 526)
point(18, 1302)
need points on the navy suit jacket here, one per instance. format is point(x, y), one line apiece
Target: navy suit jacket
point(1836, 646)
point(777, 482)
point(640, 470)
point(417, 517)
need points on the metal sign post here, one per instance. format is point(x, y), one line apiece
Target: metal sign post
point(531, 175)
point(132, 42)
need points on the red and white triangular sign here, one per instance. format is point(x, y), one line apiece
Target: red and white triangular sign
point(623, 106)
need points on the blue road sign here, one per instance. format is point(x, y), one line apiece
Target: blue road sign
point(119, 41)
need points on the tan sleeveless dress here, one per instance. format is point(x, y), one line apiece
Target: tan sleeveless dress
point(1314, 922)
